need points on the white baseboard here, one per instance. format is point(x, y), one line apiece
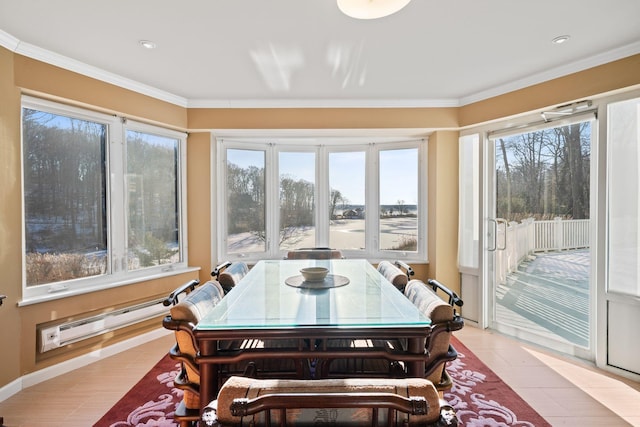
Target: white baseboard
point(69, 365)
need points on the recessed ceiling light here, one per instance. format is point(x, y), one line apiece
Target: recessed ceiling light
point(560, 39)
point(148, 44)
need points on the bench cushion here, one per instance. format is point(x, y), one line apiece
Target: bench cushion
point(430, 304)
point(393, 274)
point(230, 276)
point(197, 303)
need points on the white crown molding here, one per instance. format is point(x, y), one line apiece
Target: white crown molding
point(8, 41)
point(573, 67)
point(323, 103)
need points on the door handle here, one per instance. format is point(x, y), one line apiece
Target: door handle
point(504, 236)
point(495, 234)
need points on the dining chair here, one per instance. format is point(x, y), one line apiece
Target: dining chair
point(444, 321)
point(183, 317)
point(344, 402)
point(314, 253)
point(229, 273)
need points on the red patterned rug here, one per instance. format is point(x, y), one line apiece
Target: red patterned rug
point(480, 397)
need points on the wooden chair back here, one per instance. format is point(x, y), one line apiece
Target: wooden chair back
point(345, 402)
point(314, 253)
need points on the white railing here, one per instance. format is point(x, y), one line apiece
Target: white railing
point(529, 236)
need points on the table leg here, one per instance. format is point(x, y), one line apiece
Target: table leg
point(208, 374)
point(416, 346)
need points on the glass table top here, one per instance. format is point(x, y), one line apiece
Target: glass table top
point(262, 299)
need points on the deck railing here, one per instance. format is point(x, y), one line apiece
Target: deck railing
point(530, 236)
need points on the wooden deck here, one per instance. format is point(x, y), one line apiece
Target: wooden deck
point(549, 294)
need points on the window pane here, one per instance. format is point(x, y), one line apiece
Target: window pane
point(399, 200)
point(64, 197)
point(347, 200)
point(245, 192)
point(297, 200)
point(152, 200)
point(624, 203)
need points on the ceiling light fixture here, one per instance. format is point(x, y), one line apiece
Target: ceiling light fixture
point(370, 9)
point(560, 39)
point(147, 44)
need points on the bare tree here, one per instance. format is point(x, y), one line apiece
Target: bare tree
point(507, 172)
point(401, 207)
point(335, 199)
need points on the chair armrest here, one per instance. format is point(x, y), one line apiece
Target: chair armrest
point(407, 268)
point(454, 299)
point(172, 299)
point(216, 271)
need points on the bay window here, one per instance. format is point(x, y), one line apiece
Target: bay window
point(363, 196)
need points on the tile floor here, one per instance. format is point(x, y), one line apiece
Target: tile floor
point(565, 391)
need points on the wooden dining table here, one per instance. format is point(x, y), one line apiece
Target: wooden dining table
point(274, 302)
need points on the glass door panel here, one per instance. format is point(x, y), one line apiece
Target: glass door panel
point(540, 242)
point(621, 302)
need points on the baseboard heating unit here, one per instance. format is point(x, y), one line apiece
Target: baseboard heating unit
point(52, 337)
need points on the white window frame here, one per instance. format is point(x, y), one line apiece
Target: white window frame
point(322, 146)
point(115, 170)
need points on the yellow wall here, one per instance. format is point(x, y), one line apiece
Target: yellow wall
point(10, 221)
point(443, 209)
point(18, 74)
point(199, 202)
point(322, 118)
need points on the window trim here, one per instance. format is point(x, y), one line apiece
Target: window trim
point(322, 146)
point(116, 216)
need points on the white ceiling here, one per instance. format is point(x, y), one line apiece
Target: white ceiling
point(244, 53)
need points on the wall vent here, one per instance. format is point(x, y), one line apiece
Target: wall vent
point(53, 337)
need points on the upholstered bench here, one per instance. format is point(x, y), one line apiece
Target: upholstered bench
point(342, 402)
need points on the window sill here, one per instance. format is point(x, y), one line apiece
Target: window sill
point(36, 299)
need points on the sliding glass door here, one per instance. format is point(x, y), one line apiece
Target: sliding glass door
point(549, 247)
point(540, 222)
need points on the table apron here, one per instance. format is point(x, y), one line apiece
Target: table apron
point(306, 333)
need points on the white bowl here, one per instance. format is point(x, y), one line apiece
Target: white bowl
point(314, 274)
